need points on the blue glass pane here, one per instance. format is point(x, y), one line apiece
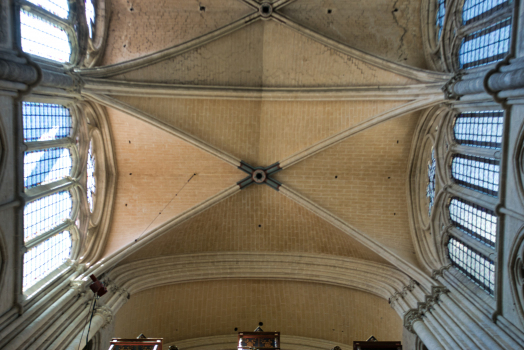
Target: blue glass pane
point(44, 258)
point(479, 129)
point(480, 174)
point(44, 121)
point(57, 7)
point(488, 45)
point(46, 213)
point(475, 10)
point(480, 223)
point(43, 38)
point(474, 265)
point(441, 13)
point(91, 180)
point(45, 166)
point(430, 190)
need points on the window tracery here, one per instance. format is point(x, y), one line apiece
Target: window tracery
point(477, 33)
point(472, 238)
point(55, 214)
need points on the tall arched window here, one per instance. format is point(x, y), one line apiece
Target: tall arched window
point(477, 138)
point(486, 32)
point(53, 29)
point(49, 214)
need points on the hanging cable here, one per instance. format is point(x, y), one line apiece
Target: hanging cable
point(89, 328)
point(156, 217)
point(83, 328)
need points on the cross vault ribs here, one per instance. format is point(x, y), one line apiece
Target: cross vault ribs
point(259, 175)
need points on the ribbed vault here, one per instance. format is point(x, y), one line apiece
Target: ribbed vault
point(317, 259)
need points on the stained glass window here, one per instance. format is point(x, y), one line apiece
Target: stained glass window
point(478, 222)
point(45, 166)
point(57, 7)
point(43, 38)
point(91, 181)
point(430, 189)
point(46, 213)
point(45, 121)
point(477, 267)
point(479, 129)
point(45, 257)
point(441, 13)
point(487, 45)
point(475, 10)
point(480, 174)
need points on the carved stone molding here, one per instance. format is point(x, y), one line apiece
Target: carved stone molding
point(417, 314)
point(449, 87)
point(440, 272)
point(106, 314)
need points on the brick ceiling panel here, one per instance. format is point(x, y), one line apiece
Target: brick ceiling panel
point(388, 29)
point(265, 54)
point(260, 132)
point(363, 181)
point(139, 28)
point(202, 309)
point(152, 167)
point(257, 219)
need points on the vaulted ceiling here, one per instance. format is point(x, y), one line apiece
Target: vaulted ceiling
point(332, 90)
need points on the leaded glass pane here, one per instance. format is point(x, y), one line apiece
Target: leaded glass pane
point(479, 129)
point(488, 45)
point(478, 222)
point(44, 258)
point(475, 10)
point(90, 16)
point(480, 174)
point(45, 166)
point(441, 13)
point(91, 181)
point(43, 38)
point(477, 267)
point(430, 190)
point(57, 7)
point(46, 213)
point(45, 121)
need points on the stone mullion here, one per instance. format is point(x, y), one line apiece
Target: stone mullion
point(480, 247)
point(476, 151)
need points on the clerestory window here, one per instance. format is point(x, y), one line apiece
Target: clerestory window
point(50, 28)
point(477, 267)
point(485, 33)
point(49, 212)
point(473, 237)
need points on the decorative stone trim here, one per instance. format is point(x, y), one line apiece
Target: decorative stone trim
point(414, 315)
point(106, 314)
point(440, 272)
point(448, 87)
